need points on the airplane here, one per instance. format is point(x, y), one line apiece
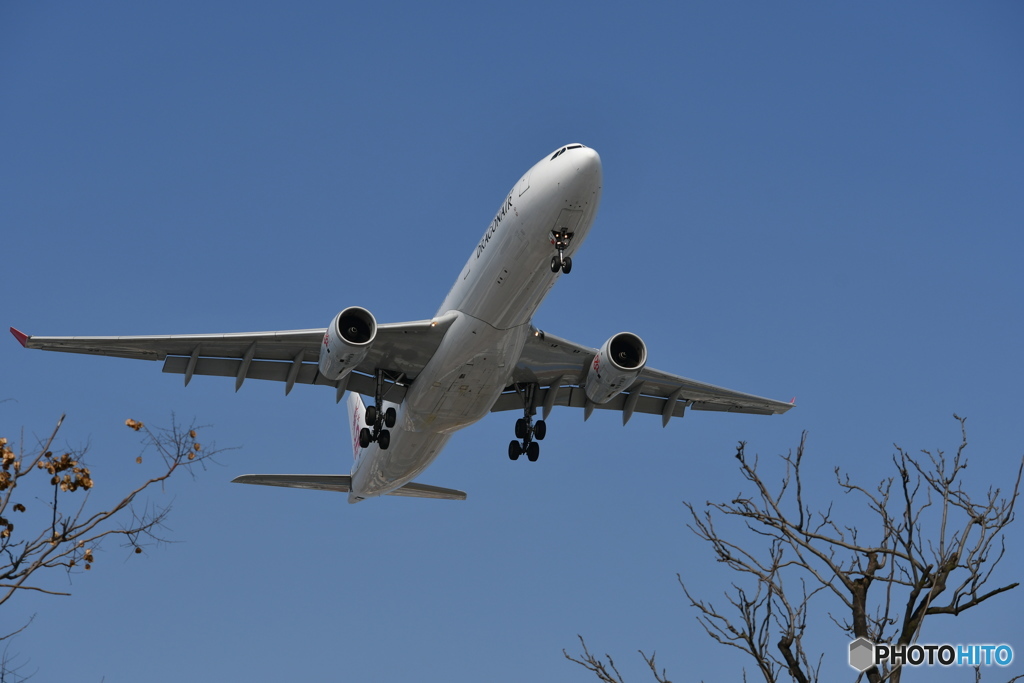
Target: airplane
point(479, 354)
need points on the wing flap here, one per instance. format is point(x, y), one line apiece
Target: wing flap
point(278, 372)
point(576, 397)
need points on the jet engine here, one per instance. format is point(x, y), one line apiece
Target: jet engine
point(347, 342)
point(615, 366)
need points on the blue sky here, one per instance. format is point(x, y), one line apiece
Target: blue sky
point(812, 200)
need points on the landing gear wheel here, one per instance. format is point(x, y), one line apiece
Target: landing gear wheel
point(555, 264)
point(390, 418)
point(566, 265)
point(514, 450)
point(521, 428)
point(540, 430)
point(384, 439)
point(371, 415)
point(533, 451)
point(364, 437)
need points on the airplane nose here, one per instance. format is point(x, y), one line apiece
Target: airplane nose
point(574, 169)
point(588, 162)
point(588, 155)
point(585, 164)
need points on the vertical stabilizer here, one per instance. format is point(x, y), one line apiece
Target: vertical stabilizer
point(356, 421)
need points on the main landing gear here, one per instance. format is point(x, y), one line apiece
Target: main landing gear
point(528, 432)
point(378, 419)
point(561, 238)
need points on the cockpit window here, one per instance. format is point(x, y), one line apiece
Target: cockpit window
point(561, 151)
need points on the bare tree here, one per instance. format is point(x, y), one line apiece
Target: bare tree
point(12, 667)
point(609, 673)
point(930, 549)
point(47, 521)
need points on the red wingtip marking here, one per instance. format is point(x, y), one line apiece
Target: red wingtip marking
point(793, 401)
point(19, 335)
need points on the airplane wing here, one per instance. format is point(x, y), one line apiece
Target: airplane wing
point(289, 356)
point(558, 367)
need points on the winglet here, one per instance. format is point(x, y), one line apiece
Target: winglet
point(793, 401)
point(19, 335)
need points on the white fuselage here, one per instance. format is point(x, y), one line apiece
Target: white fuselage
point(506, 278)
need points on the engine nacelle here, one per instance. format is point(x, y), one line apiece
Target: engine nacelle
point(615, 366)
point(347, 342)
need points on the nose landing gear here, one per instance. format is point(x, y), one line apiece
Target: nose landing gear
point(561, 238)
point(563, 263)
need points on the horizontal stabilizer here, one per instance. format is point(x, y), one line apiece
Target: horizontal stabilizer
point(342, 483)
point(414, 490)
